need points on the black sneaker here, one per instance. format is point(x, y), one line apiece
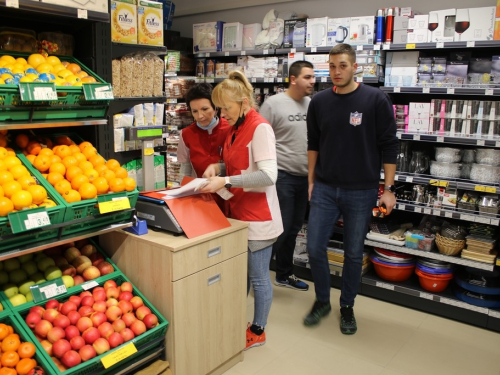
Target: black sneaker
point(292, 282)
point(347, 321)
point(318, 311)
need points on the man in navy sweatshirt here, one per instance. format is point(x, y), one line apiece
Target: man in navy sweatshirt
point(351, 133)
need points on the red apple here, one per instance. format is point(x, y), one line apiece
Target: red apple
point(99, 294)
point(150, 320)
point(129, 318)
point(78, 279)
point(71, 254)
point(112, 292)
point(81, 263)
point(115, 339)
point(127, 334)
point(106, 329)
point(67, 307)
point(71, 331)
point(91, 273)
point(87, 352)
point(73, 317)
point(71, 359)
point(87, 301)
point(43, 327)
point(98, 318)
point(125, 296)
point(88, 250)
point(125, 306)
point(136, 302)
point(60, 347)
point(84, 323)
point(85, 293)
point(138, 327)
point(68, 270)
point(111, 302)
point(32, 319)
point(61, 321)
point(127, 287)
point(37, 309)
point(50, 315)
point(96, 258)
point(56, 333)
point(105, 268)
point(77, 342)
point(90, 335)
point(85, 310)
point(52, 304)
point(99, 306)
point(113, 313)
point(142, 312)
point(109, 283)
point(47, 346)
point(76, 300)
point(101, 345)
point(119, 325)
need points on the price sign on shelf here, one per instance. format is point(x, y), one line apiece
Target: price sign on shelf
point(265, 52)
point(386, 46)
point(37, 91)
point(448, 214)
point(359, 48)
point(440, 45)
point(376, 47)
point(384, 285)
point(243, 53)
point(25, 220)
point(83, 14)
point(480, 142)
point(12, 3)
point(90, 285)
point(226, 53)
point(48, 289)
point(426, 90)
point(113, 202)
point(450, 91)
point(118, 355)
point(314, 50)
point(98, 91)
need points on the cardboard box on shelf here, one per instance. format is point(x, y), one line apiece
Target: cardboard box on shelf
point(401, 68)
point(419, 110)
point(418, 22)
point(232, 36)
point(93, 5)
point(400, 36)
point(207, 37)
point(475, 24)
point(294, 33)
point(400, 23)
point(250, 33)
point(442, 25)
point(119, 139)
point(418, 124)
point(124, 21)
point(316, 32)
point(417, 36)
point(361, 30)
point(150, 22)
point(337, 31)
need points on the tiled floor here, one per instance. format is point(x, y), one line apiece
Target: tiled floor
point(391, 340)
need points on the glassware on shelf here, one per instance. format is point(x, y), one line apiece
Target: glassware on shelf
point(433, 22)
point(462, 22)
point(419, 162)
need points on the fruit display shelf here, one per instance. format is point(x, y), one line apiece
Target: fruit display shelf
point(70, 104)
point(144, 342)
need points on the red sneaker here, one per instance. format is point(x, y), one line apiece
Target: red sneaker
point(254, 340)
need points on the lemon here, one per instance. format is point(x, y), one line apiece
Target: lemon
point(44, 68)
point(52, 60)
point(6, 75)
point(26, 79)
point(8, 58)
point(21, 60)
point(32, 76)
point(64, 73)
point(72, 79)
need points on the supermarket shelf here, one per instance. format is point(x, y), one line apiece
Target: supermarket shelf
point(63, 240)
point(285, 79)
point(471, 216)
point(120, 49)
point(249, 52)
point(441, 138)
point(434, 45)
point(56, 10)
point(442, 90)
point(52, 124)
point(432, 255)
point(142, 99)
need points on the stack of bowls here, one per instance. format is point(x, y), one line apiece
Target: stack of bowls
point(392, 266)
point(478, 287)
point(433, 275)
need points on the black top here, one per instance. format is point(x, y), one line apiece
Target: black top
point(354, 134)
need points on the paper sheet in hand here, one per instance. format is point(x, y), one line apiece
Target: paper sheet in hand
point(190, 188)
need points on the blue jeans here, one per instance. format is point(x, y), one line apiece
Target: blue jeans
point(292, 195)
point(327, 205)
point(259, 278)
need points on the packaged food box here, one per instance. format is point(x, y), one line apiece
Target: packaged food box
point(150, 20)
point(419, 240)
point(57, 43)
point(124, 21)
point(19, 40)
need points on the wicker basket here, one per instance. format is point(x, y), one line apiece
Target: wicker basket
point(448, 246)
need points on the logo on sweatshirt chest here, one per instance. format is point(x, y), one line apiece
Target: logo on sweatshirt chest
point(356, 118)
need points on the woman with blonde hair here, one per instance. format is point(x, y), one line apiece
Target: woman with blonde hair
point(249, 171)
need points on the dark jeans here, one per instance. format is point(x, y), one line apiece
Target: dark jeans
point(292, 195)
point(327, 205)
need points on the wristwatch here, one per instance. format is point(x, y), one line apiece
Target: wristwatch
point(391, 188)
point(228, 183)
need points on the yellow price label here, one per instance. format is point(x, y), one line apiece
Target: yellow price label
point(117, 204)
point(149, 151)
point(498, 261)
point(490, 190)
point(118, 355)
point(479, 188)
point(411, 46)
point(439, 183)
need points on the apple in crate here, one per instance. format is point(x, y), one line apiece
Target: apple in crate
point(62, 321)
point(90, 335)
point(129, 318)
point(112, 292)
point(68, 281)
point(109, 284)
point(87, 352)
point(71, 359)
point(99, 294)
point(81, 263)
point(88, 250)
point(100, 306)
point(150, 320)
point(105, 268)
point(98, 318)
point(106, 329)
point(138, 327)
point(125, 306)
point(115, 339)
point(55, 334)
point(86, 311)
point(32, 319)
point(71, 254)
point(76, 300)
point(136, 302)
point(113, 313)
point(68, 270)
point(17, 300)
point(127, 334)
point(67, 307)
point(47, 346)
point(71, 331)
point(87, 301)
point(119, 325)
point(77, 342)
point(91, 273)
point(101, 345)
point(60, 347)
point(73, 317)
point(52, 304)
point(142, 311)
point(78, 280)
point(37, 309)
point(84, 323)
point(43, 327)
point(127, 287)
point(50, 315)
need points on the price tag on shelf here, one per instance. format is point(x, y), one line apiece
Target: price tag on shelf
point(490, 189)
point(386, 46)
point(426, 296)
point(293, 50)
point(427, 211)
point(418, 210)
point(439, 183)
point(440, 45)
point(118, 355)
point(97, 91)
point(471, 44)
point(467, 217)
point(209, 80)
point(497, 144)
point(82, 13)
point(483, 220)
point(479, 188)
point(384, 285)
point(172, 101)
point(24, 220)
point(480, 142)
point(323, 79)
point(397, 89)
point(411, 46)
point(254, 80)
point(37, 220)
point(314, 49)
point(448, 214)
point(359, 48)
point(226, 53)
point(376, 47)
point(488, 92)
point(243, 53)
point(359, 79)
point(450, 91)
point(279, 80)
point(257, 90)
point(440, 139)
point(436, 212)
point(266, 90)
point(495, 222)
point(48, 289)
point(37, 91)
point(426, 90)
point(409, 179)
point(398, 135)
point(265, 52)
point(402, 207)
point(416, 137)
point(90, 285)
point(12, 3)
point(396, 178)
point(113, 202)
point(207, 54)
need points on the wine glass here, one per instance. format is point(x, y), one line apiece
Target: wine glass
point(462, 22)
point(433, 22)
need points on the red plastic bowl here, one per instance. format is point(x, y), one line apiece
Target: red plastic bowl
point(432, 283)
point(393, 273)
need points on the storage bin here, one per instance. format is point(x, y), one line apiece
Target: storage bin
point(419, 240)
point(60, 44)
point(17, 40)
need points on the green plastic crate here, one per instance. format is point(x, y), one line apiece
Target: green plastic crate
point(56, 215)
point(94, 365)
point(70, 104)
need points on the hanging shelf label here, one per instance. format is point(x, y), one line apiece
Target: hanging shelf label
point(98, 91)
point(37, 91)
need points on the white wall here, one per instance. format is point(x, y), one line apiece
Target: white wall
point(247, 11)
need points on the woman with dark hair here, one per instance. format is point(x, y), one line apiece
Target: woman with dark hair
point(200, 144)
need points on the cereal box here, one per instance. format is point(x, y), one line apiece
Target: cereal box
point(124, 21)
point(150, 20)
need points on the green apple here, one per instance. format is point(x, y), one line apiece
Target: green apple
point(17, 300)
point(17, 276)
point(4, 277)
point(39, 256)
point(44, 263)
point(29, 297)
point(68, 281)
point(11, 264)
point(52, 272)
point(29, 267)
point(25, 258)
point(24, 288)
point(10, 290)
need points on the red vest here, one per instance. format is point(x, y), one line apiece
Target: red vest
point(245, 205)
point(205, 148)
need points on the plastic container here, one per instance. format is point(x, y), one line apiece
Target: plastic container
point(60, 44)
point(419, 240)
point(433, 283)
point(450, 170)
point(392, 273)
point(18, 40)
point(485, 173)
point(448, 154)
point(488, 156)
